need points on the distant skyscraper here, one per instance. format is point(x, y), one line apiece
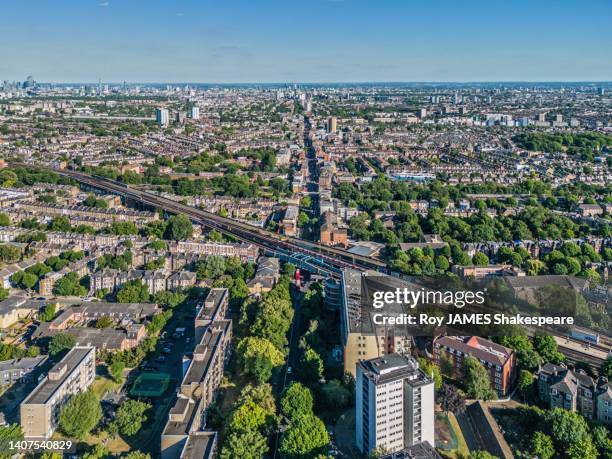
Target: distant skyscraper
point(423, 113)
point(394, 404)
point(29, 82)
point(602, 91)
point(541, 117)
point(194, 113)
point(331, 124)
point(162, 117)
point(559, 118)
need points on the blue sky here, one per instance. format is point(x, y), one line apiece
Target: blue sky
point(312, 41)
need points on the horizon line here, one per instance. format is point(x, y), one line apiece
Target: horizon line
point(322, 82)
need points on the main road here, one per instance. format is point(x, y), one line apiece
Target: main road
point(329, 260)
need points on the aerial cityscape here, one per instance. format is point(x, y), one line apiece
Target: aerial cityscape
point(257, 245)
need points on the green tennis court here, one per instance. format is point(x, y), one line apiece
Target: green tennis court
point(150, 385)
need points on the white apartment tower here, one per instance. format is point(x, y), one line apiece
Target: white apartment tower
point(394, 406)
point(162, 116)
point(194, 113)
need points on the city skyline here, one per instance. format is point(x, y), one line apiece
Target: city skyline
point(329, 42)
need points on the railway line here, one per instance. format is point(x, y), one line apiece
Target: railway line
point(328, 259)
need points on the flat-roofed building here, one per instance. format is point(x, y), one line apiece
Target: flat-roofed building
point(213, 309)
point(71, 375)
point(184, 435)
point(394, 404)
point(185, 417)
point(361, 339)
point(200, 445)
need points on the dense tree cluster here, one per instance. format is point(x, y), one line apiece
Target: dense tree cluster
point(249, 424)
point(69, 285)
point(121, 262)
point(134, 291)
point(92, 201)
point(80, 415)
point(585, 144)
point(562, 433)
point(477, 383)
point(306, 435)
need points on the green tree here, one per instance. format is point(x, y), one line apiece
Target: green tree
point(431, 369)
point(311, 366)
point(525, 384)
point(442, 263)
point(104, 322)
point(123, 229)
point(69, 285)
point(477, 381)
point(289, 269)
point(51, 455)
point(178, 228)
point(261, 394)
point(296, 402)
point(134, 291)
point(99, 451)
point(130, 416)
point(4, 220)
point(213, 266)
point(48, 313)
point(542, 446)
point(567, 428)
point(250, 444)
point(136, 455)
point(246, 417)
point(116, 369)
point(546, 346)
point(61, 223)
point(158, 244)
point(606, 369)
point(602, 441)
point(33, 351)
point(527, 357)
point(480, 259)
point(481, 455)
point(24, 280)
point(258, 357)
point(583, 449)
point(80, 414)
point(305, 438)
point(9, 433)
point(61, 343)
